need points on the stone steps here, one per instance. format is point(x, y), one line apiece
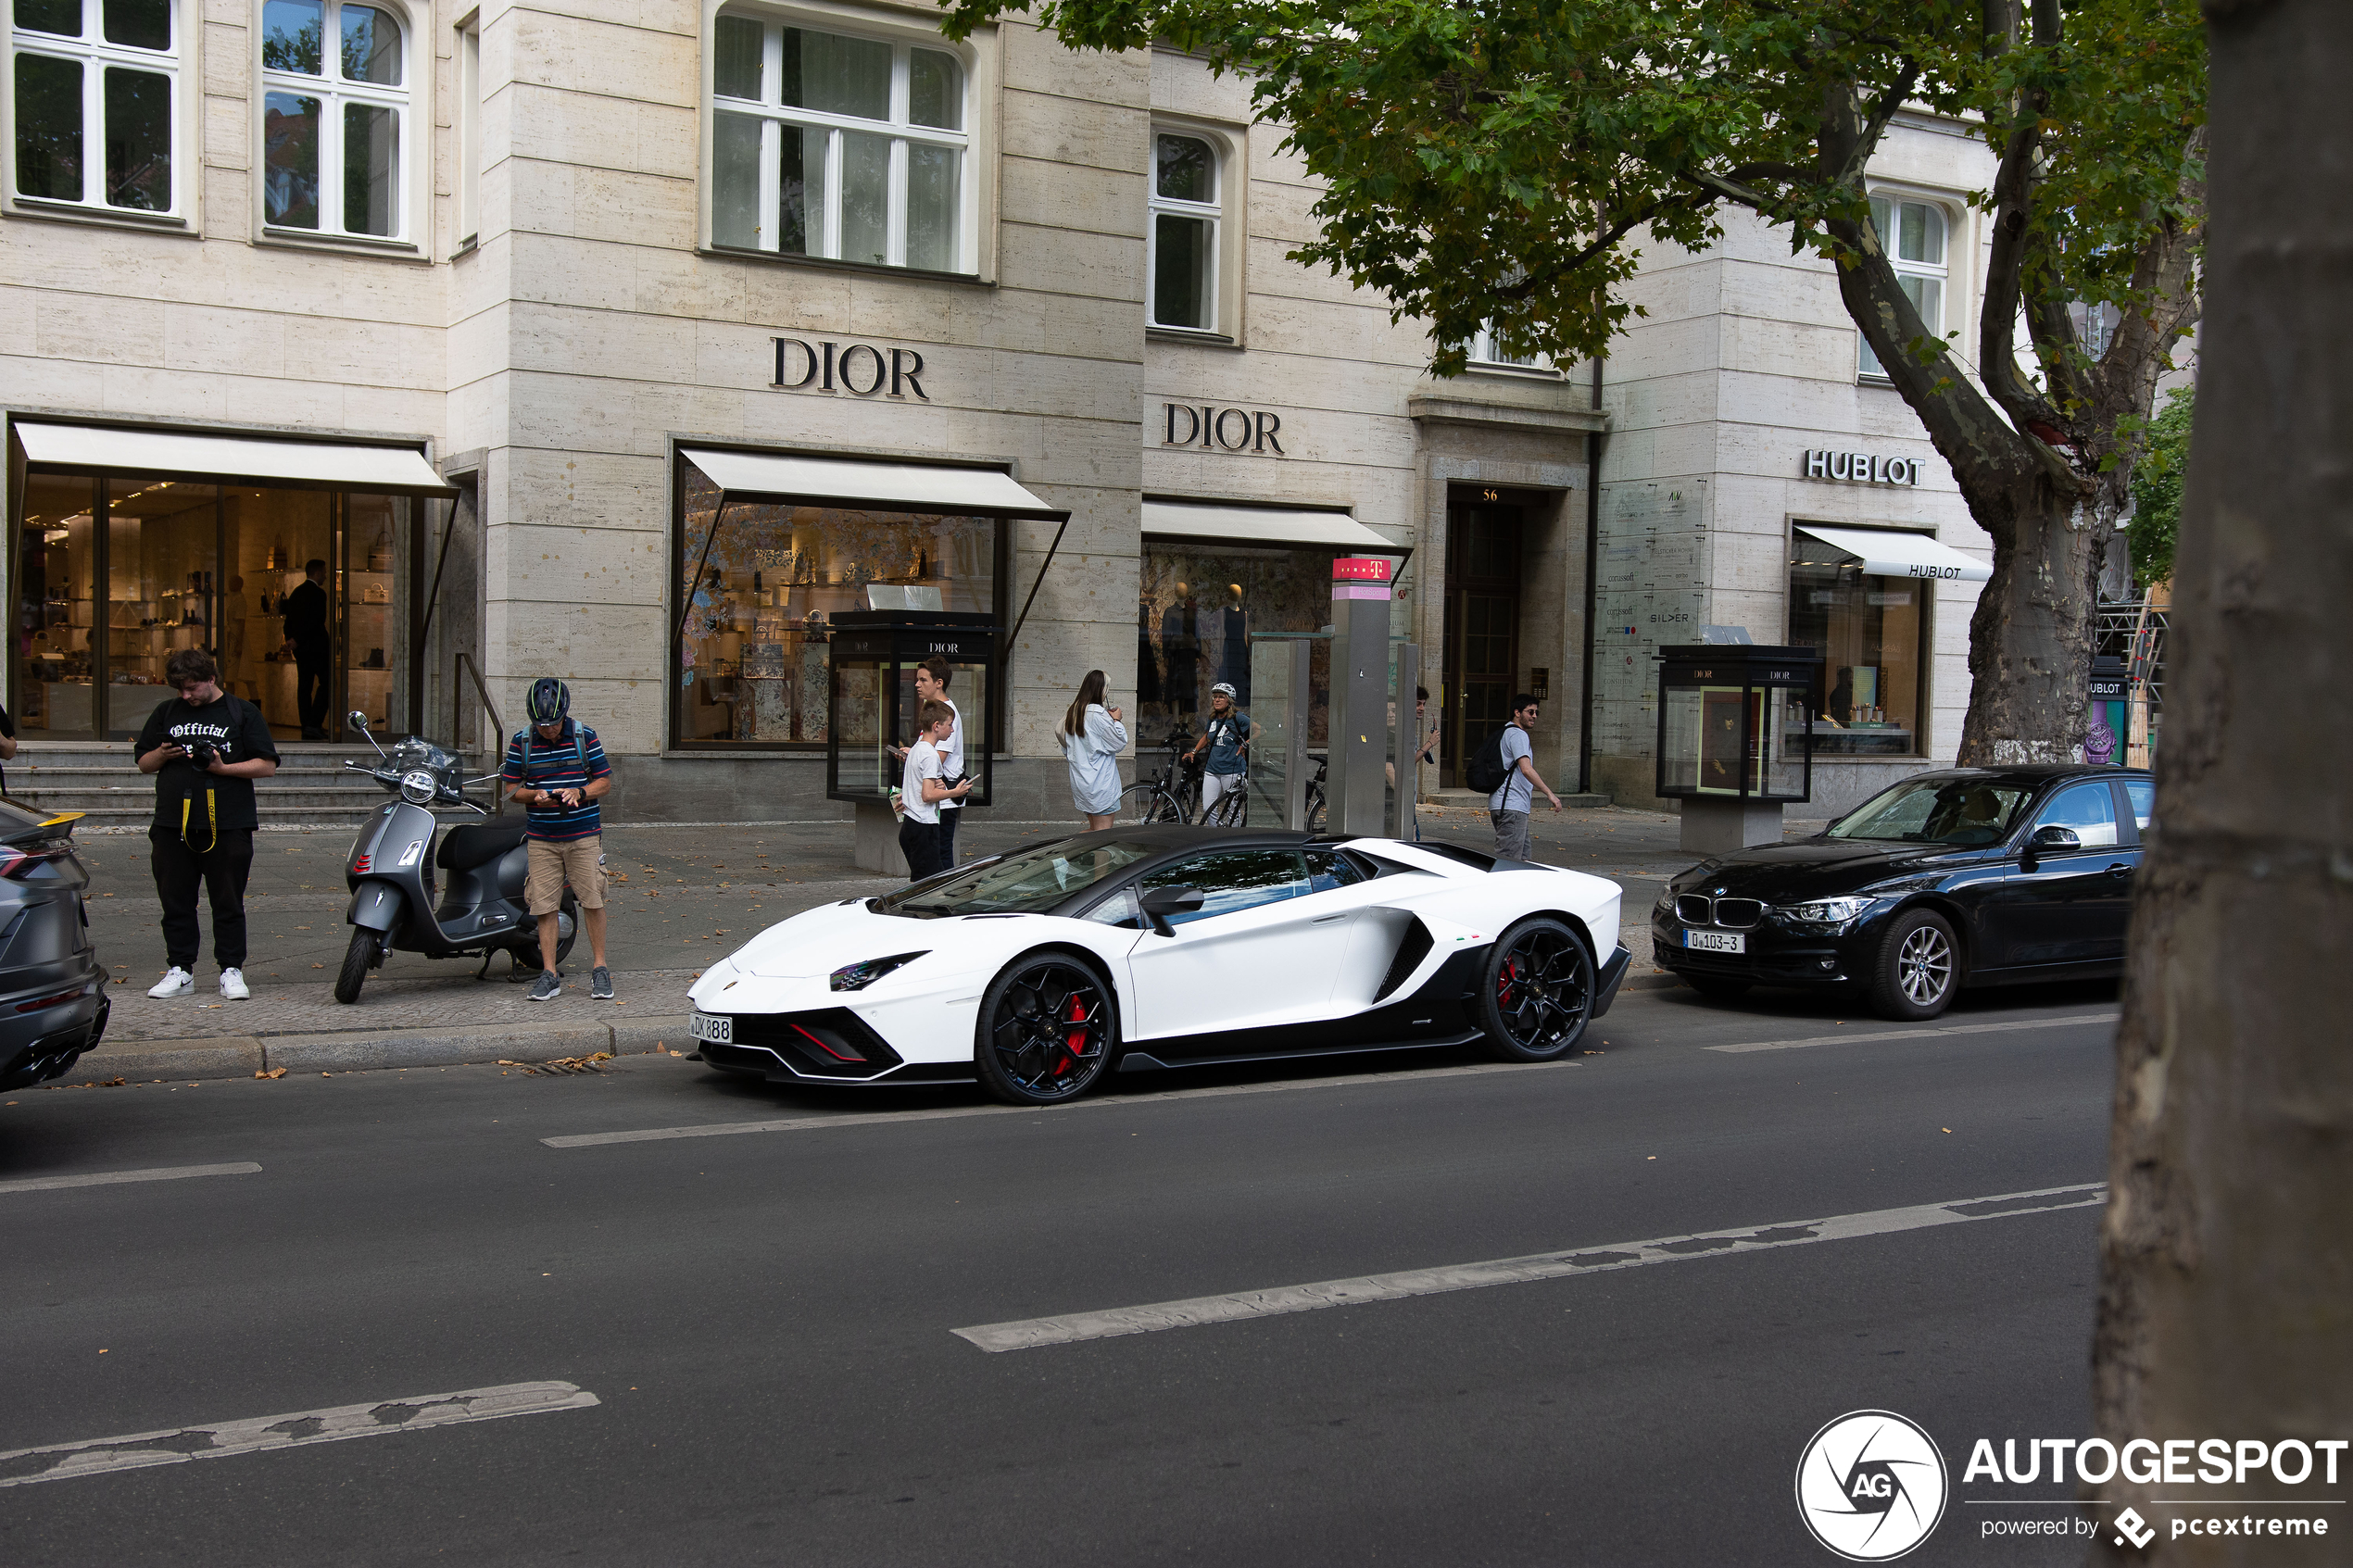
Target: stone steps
point(101, 780)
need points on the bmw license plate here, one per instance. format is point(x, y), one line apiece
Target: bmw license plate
point(713, 1029)
point(1698, 941)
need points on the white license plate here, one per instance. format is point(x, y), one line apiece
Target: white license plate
point(1698, 941)
point(712, 1029)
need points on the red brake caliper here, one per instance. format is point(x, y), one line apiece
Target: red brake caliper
point(1076, 1040)
point(1503, 979)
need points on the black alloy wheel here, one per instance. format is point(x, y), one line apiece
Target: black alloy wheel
point(1046, 1031)
point(1539, 991)
point(1918, 967)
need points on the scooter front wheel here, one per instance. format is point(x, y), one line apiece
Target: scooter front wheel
point(358, 959)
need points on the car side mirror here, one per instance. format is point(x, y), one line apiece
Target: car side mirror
point(1162, 902)
point(2053, 836)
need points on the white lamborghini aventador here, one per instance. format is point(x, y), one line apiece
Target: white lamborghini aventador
point(1140, 948)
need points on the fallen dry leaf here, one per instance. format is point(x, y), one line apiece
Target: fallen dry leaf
point(273, 1073)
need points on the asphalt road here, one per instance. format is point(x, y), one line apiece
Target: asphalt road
point(765, 1319)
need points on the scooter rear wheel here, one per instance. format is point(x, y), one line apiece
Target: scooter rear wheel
point(358, 959)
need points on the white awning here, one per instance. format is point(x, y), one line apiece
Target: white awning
point(853, 482)
point(1263, 525)
point(231, 459)
point(1888, 553)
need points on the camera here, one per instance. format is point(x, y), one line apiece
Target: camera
point(201, 753)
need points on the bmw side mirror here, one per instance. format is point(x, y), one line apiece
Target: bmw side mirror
point(1162, 902)
point(2056, 837)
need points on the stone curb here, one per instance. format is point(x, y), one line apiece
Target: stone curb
point(240, 1056)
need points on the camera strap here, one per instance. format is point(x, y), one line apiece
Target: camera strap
point(211, 817)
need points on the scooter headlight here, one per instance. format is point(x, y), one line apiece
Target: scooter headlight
point(418, 788)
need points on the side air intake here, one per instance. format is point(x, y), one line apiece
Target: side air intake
point(1411, 950)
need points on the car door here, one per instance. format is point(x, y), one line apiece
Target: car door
point(2069, 905)
point(1258, 951)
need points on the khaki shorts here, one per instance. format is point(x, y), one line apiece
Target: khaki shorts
point(552, 865)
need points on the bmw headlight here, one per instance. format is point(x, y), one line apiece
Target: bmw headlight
point(858, 976)
point(1826, 911)
point(1666, 905)
point(418, 788)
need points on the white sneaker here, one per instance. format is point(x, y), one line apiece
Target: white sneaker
point(177, 981)
point(233, 985)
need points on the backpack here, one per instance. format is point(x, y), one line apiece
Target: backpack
point(579, 747)
point(1487, 771)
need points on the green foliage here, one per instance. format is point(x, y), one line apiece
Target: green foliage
point(1500, 159)
point(2157, 490)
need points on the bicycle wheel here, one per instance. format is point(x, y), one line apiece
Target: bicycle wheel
point(1143, 803)
point(1314, 809)
point(1232, 809)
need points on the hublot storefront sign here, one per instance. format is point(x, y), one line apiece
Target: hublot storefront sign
point(859, 368)
point(1863, 468)
point(1222, 429)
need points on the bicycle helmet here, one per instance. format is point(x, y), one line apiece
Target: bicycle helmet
point(550, 699)
point(1225, 688)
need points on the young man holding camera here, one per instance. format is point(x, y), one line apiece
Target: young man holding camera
point(206, 747)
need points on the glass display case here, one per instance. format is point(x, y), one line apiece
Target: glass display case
point(1735, 722)
point(872, 655)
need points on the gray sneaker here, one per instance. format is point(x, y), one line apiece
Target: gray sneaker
point(547, 987)
point(600, 983)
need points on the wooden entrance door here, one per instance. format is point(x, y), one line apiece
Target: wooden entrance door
point(1482, 629)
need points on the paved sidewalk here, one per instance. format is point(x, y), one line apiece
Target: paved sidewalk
point(680, 897)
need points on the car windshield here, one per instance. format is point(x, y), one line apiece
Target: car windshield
point(1028, 881)
point(1956, 812)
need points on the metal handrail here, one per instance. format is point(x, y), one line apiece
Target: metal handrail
point(465, 666)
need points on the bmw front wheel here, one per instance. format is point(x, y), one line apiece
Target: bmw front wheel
point(1919, 968)
point(1538, 991)
point(1047, 1030)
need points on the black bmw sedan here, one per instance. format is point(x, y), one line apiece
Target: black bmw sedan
point(1976, 876)
point(53, 991)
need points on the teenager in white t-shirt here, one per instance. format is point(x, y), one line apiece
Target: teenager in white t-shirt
point(922, 792)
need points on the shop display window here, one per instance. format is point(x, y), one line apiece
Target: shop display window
point(752, 659)
point(1872, 635)
point(184, 564)
point(1201, 606)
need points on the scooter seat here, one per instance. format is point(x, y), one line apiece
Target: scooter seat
point(478, 844)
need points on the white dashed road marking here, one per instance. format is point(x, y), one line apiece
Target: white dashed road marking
point(109, 1178)
point(1071, 1329)
point(1925, 1032)
point(177, 1445)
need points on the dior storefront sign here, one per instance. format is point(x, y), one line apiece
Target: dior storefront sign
point(1863, 468)
point(859, 368)
point(1222, 429)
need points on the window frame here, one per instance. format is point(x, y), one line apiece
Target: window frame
point(466, 127)
point(181, 65)
point(1867, 369)
point(412, 100)
point(1229, 147)
point(973, 255)
point(1484, 354)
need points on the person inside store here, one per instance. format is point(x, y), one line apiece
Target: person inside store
point(1092, 738)
point(1226, 739)
point(313, 646)
point(556, 770)
point(205, 748)
point(923, 793)
point(931, 685)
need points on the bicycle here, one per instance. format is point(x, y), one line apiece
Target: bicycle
point(1168, 796)
point(1316, 795)
point(1232, 809)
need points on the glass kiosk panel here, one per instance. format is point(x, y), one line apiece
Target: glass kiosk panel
point(872, 659)
point(1734, 723)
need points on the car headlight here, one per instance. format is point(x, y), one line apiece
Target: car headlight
point(1666, 904)
point(1826, 911)
point(858, 976)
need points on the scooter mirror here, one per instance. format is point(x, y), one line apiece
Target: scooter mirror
point(357, 721)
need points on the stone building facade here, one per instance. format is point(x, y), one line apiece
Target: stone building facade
point(446, 299)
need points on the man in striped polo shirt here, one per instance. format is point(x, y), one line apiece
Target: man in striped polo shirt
point(557, 769)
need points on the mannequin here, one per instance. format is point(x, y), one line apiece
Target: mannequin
point(1179, 640)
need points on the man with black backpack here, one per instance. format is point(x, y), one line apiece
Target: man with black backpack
point(1505, 768)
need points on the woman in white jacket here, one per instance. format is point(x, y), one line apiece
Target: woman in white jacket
point(1093, 738)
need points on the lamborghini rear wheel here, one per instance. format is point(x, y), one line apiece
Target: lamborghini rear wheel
point(1538, 991)
point(1047, 1030)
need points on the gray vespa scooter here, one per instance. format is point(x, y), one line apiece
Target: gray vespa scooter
point(480, 915)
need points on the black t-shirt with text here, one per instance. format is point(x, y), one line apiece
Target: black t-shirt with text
point(231, 726)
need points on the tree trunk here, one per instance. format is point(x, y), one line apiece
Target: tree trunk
point(2031, 637)
point(2226, 1300)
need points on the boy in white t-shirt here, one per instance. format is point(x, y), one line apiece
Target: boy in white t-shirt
point(921, 792)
